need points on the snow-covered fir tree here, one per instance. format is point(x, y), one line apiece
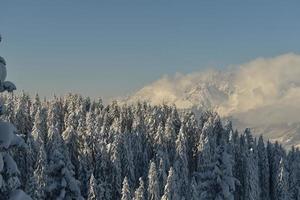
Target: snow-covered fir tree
point(139, 194)
point(9, 173)
point(170, 191)
point(252, 189)
point(181, 165)
point(93, 189)
point(126, 194)
point(263, 170)
point(153, 184)
point(294, 173)
point(61, 183)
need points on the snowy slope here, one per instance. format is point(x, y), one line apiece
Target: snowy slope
point(263, 94)
point(205, 90)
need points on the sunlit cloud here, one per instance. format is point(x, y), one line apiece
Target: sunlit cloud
point(265, 90)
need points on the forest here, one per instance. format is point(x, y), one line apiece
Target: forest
point(73, 147)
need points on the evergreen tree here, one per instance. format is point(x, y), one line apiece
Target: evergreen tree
point(61, 182)
point(29, 165)
point(85, 148)
point(24, 157)
point(140, 191)
point(279, 173)
point(103, 172)
point(35, 106)
point(281, 187)
point(263, 168)
point(294, 173)
point(126, 190)
point(181, 166)
point(71, 141)
point(170, 192)
point(22, 117)
point(92, 191)
point(39, 132)
point(153, 184)
point(251, 187)
point(194, 190)
point(127, 162)
point(223, 169)
point(162, 174)
point(116, 159)
point(216, 180)
point(9, 172)
point(40, 175)
point(9, 114)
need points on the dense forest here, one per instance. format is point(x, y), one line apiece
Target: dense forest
point(76, 148)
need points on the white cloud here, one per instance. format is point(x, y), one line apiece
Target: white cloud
point(265, 82)
point(265, 90)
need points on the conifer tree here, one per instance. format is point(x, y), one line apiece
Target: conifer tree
point(153, 185)
point(263, 167)
point(252, 189)
point(162, 174)
point(126, 195)
point(128, 162)
point(281, 185)
point(294, 173)
point(61, 182)
point(103, 170)
point(35, 106)
point(93, 189)
point(9, 114)
point(40, 174)
point(116, 159)
point(9, 172)
point(194, 190)
point(39, 132)
point(139, 194)
point(22, 116)
point(71, 141)
point(170, 192)
point(181, 165)
point(279, 173)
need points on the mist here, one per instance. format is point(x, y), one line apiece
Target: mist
point(262, 91)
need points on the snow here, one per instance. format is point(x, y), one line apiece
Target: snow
point(19, 195)
point(204, 90)
point(9, 86)
point(7, 134)
point(3, 72)
point(11, 165)
point(1, 162)
point(1, 181)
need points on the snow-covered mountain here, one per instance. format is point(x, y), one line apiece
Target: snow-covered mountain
point(205, 90)
point(263, 94)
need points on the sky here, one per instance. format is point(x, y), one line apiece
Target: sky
point(113, 48)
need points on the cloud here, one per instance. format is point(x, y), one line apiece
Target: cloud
point(266, 81)
point(266, 86)
point(265, 90)
point(184, 89)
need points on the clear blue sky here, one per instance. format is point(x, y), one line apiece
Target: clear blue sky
point(111, 48)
